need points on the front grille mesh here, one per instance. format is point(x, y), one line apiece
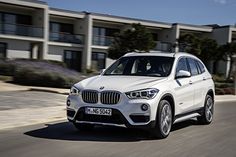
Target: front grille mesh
point(106, 97)
point(110, 97)
point(90, 96)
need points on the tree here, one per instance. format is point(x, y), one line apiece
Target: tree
point(208, 50)
point(204, 48)
point(228, 50)
point(190, 43)
point(136, 39)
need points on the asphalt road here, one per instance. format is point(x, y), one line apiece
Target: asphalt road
point(60, 139)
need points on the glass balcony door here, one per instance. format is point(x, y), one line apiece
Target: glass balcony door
point(73, 59)
point(9, 26)
point(98, 60)
point(103, 36)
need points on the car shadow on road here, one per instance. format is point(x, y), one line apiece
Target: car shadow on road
point(66, 131)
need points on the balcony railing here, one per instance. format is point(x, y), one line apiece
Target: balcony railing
point(163, 46)
point(66, 37)
point(22, 30)
point(102, 40)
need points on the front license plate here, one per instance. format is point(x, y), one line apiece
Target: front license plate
point(98, 111)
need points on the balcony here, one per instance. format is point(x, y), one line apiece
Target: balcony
point(163, 46)
point(21, 30)
point(102, 40)
point(66, 37)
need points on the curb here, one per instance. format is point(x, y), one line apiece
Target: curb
point(225, 100)
point(48, 90)
point(33, 123)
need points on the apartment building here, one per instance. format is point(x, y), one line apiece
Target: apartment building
point(31, 29)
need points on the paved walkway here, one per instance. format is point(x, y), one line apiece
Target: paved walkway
point(14, 87)
point(29, 116)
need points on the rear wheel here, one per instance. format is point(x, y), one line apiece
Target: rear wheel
point(163, 120)
point(208, 111)
point(83, 126)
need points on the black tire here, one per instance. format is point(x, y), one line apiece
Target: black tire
point(204, 118)
point(83, 127)
point(157, 132)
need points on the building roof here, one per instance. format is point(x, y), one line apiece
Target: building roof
point(191, 25)
point(129, 18)
point(68, 11)
point(35, 1)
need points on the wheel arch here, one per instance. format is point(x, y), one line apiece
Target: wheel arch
point(169, 97)
point(211, 93)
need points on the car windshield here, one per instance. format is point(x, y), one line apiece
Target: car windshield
point(156, 66)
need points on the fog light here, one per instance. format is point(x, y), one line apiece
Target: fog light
point(144, 107)
point(68, 102)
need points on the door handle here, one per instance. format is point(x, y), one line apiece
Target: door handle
point(190, 82)
point(204, 79)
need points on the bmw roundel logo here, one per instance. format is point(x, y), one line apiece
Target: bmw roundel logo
point(102, 87)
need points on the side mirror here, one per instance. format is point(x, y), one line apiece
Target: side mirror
point(182, 74)
point(102, 71)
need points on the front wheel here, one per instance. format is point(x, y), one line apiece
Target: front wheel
point(163, 120)
point(208, 110)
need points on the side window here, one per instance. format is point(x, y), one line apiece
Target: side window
point(193, 66)
point(182, 65)
point(201, 66)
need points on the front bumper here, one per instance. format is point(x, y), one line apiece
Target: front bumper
point(127, 113)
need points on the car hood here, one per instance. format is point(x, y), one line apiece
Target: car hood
point(119, 83)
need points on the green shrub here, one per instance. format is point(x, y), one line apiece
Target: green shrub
point(224, 85)
point(229, 90)
point(7, 69)
point(5, 78)
point(218, 78)
point(219, 91)
point(26, 76)
point(57, 63)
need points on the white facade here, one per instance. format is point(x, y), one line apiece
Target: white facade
point(62, 35)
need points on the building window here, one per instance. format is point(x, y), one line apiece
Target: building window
point(3, 50)
point(98, 60)
point(61, 27)
point(103, 36)
point(73, 59)
point(62, 32)
point(15, 24)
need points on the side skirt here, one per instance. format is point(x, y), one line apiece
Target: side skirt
point(188, 115)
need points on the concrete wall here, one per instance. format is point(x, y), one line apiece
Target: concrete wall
point(17, 48)
point(97, 23)
point(221, 35)
point(38, 18)
point(79, 26)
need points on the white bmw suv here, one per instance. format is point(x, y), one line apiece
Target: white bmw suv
point(144, 90)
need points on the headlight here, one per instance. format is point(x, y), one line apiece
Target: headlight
point(74, 90)
point(149, 93)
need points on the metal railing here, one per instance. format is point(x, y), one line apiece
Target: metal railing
point(102, 40)
point(163, 46)
point(22, 30)
point(66, 37)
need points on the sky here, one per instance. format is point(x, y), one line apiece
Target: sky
point(200, 12)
